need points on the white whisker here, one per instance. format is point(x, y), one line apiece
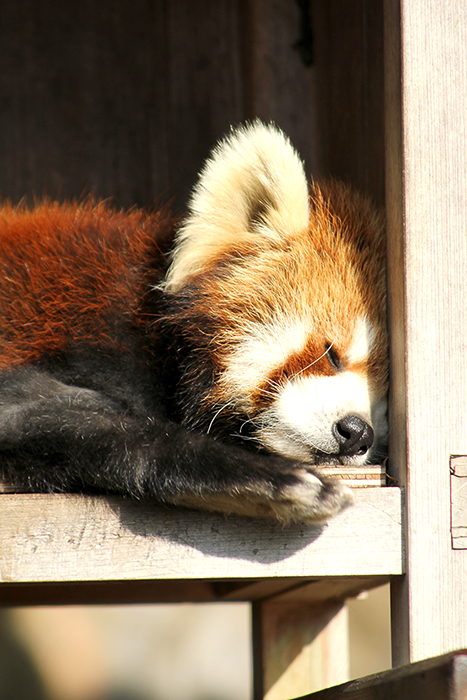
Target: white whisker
point(248, 420)
point(268, 393)
point(314, 361)
point(217, 413)
point(273, 384)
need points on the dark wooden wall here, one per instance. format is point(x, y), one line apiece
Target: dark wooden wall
point(124, 98)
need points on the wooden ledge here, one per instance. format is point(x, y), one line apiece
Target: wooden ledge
point(366, 476)
point(64, 539)
point(441, 678)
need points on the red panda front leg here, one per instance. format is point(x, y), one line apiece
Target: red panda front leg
point(56, 437)
point(293, 494)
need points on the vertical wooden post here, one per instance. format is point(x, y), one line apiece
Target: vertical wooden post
point(426, 65)
point(298, 648)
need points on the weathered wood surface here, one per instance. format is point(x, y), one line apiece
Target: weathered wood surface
point(298, 647)
point(120, 98)
point(350, 92)
point(459, 501)
point(442, 678)
point(126, 98)
point(427, 214)
point(72, 538)
point(366, 476)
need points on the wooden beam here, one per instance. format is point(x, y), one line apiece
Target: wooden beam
point(426, 99)
point(301, 590)
point(76, 538)
point(298, 647)
point(442, 678)
point(459, 501)
point(348, 48)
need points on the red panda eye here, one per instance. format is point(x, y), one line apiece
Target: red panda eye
point(333, 357)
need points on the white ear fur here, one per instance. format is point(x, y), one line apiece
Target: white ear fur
point(253, 184)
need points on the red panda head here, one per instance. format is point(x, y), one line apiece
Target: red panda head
point(282, 287)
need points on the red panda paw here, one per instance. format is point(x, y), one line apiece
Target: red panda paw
point(309, 499)
point(312, 499)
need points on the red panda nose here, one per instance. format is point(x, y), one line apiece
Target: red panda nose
point(354, 436)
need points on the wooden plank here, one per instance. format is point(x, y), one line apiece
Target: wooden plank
point(203, 74)
point(298, 648)
point(73, 538)
point(82, 90)
point(427, 211)
point(335, 589)
point(367, 476)
point(284, 589)
point(442, 678)
point(349, 92)
point(107, 592)
point(301, 637)
point(278, 85)
point(333, 108)
point(459, 501)
point(137, 92)
point(124, 99)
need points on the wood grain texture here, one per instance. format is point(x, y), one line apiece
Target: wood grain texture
point(366, 476)
point(298, 648)
point(80, 91)
point(459, 501)
point(442, 678)
point(349, 92)
point(73, 538)
point(333, 109)
point(278, 86)
point(427, 283)
point(124, 99)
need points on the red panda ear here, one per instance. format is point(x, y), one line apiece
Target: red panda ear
point(254, 184)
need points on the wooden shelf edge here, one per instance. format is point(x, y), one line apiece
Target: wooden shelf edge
point(47, 538)
point(277, 590)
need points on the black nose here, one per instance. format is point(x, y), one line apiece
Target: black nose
point(354, 436)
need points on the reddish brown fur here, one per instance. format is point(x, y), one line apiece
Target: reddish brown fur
point(64, 274)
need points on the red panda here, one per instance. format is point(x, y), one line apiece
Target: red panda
point(218, 377)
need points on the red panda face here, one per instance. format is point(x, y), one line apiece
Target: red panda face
point(308, 402)
point(290, 280)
